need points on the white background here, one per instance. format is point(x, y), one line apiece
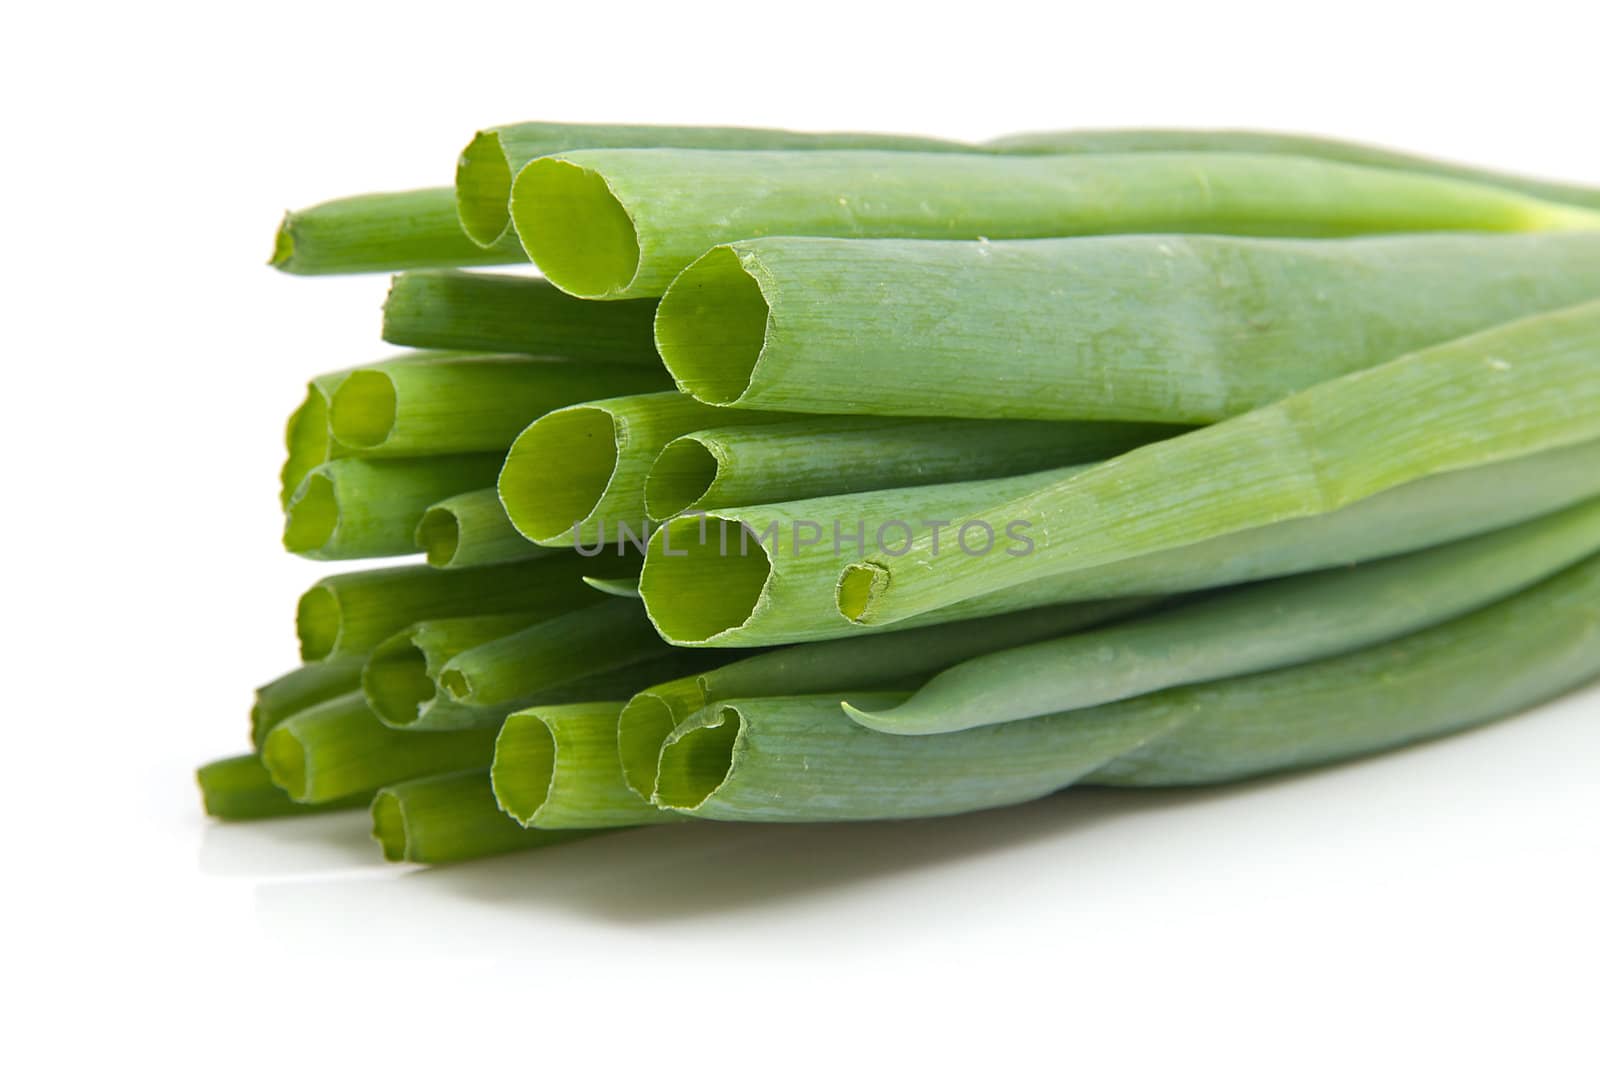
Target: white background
point(1436, 905)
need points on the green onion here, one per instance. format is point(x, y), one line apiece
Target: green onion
point(1499, 394)
point(729, 465)
point(589, 641)
point(1256, 628)
point(400, 676)
point(475, 403)
point(354, 612)
point(1120, 141)
point(299, 689)
point(487, 166)
point(576, 473)
point(878, 659)
point(379, 232)
point(239, 788)
point(472, 530)
point(1168, 328)
point(557, 768)
point(796, 759)
point(613, 224)
point(514, 313)
point(357, 508)
point(448, 818)
point(339, 748)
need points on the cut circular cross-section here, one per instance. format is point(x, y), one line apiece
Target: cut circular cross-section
point(711, 327)
point(556, 472)
point(362, 411)
point(698, 759)
point(575, 229)
point(679, 479)
point(524, 766)
point(697, 588)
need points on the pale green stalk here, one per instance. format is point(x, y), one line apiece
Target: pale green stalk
point(449, 818)
point(1242, 631)
point(355, 508)
point(400, 676)
point(799, 759)
point(472, 530)
point(299, 689)
point(575, 473)
point(379, 232)
point(1154, 328)
point(239, 788)
point(557, 768)
point(467, 403)
point(733, 465)
point(617, 224)
point(487, 166)
point(515, 313)
point(1499, 394)
point(340, 748)
point(353, 613)
point(874, 660)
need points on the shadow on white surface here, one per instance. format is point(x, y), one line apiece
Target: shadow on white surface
point(269, 848)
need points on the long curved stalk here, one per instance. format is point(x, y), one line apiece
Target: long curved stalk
point(449, 818)
point(380, 232)
point(1154, 328)
point(733, 465)
point(557, 768)
point(472, 530)
point(798, 759)
point(1503, 393)
point(1256, 628)
point(238, 788)
point(515, 313)
point(301, 688)
point(618, 224)
point(355, 508)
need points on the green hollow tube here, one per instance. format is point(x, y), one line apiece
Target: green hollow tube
point(557, 768)
point(576, 473)
point(399, 679)
point(238, 788)
point(733, 465)
point(339, 749)
point(449, 818)
point(476, 403)
point(617, 224)
point(1254, 628)
point(488, 164)
point(874, 660)
point(355, 508)
point(514, 313)
point(1058, 142)
point(592, 640)
point(353, 613)
point(380, 232)
point(299, 689)
point(472, 530)
point(798, 759)
point(766, 574)
point(1506, 392)
point(1157, 328)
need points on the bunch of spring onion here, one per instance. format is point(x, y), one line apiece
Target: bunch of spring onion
point(816, 477)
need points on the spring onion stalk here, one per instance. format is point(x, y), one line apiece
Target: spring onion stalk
point(399, 678)
point(577, 473)
point(472, 530)
point(1167, 328)
point(621, 587)
point(448, 818)
point(299, 689)
point(874, 660)
point(487, 166)
point(591, 640)
point(513, 313)
point(476, 403)
point(797, 759)
point(354, 613)
point(1253, 141)
point(730, 465)
point(239, 788)
point(359, 508)
point(1502, 393)
point(339, 749)
point(557, 768)
point(616, 224)
point(1256, 628)
point(380, 232)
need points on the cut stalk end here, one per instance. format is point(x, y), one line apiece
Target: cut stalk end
point(362, 412)
point(859, 586)
point(642, 727)
point(524, 766)
point(696, 588)
point(439, 535)
point(285, 759)
point(483, 189)
point(396, 683)
point(312, 515)
point(697, 758)
point(711, 327)
point(556, 472)
point(317, 622)
point(575, 229)
point(389, 826)
point(283, 245)
point(679, 479)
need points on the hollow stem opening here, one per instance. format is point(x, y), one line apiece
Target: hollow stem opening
point(524, 766)
point(695, 588)
point(680, 477)
point(696, 763)
point(574, 228)
point(362, 412)
point(711, 327)
point(557, 471)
